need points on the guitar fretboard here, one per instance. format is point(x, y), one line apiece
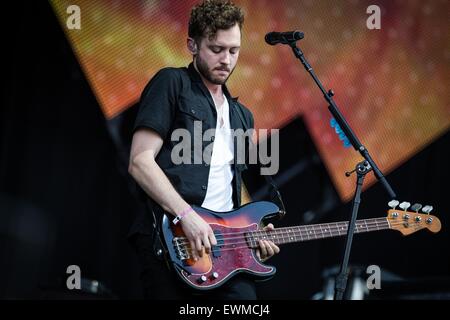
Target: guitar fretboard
point(315, 231)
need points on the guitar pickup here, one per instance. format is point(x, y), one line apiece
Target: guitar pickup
point(216, 250)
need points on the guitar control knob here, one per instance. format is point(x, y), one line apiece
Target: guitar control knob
point(214, 275)
point(202, 279)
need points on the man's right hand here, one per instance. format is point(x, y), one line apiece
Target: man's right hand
point(199, 234)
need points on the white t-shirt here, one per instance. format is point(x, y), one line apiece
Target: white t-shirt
point(219, 194)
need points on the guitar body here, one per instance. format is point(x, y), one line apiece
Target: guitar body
point(234, 252)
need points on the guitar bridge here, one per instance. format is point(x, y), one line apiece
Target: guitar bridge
point(180, 249)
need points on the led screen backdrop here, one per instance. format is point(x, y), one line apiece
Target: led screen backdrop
point(391, 84)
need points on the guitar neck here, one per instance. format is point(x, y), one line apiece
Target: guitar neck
point(315, 231)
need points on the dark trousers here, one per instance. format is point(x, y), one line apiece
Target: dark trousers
point(161, 283)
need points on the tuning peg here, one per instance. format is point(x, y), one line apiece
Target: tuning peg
point(427, 209)
point(416, 207)
point(405, 205)
point(393, 204)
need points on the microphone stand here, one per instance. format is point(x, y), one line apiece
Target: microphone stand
point(361, 168)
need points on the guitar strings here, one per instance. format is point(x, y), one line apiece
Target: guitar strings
point(246, 246)
point(318, 227)
point(187, 247)
point(302, 236)
point(312, 231)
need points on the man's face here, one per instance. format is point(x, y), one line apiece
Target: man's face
point(217, 58)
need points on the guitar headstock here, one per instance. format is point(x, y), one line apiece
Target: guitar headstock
point(408, 222)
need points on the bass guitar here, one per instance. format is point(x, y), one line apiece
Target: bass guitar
point(238, 232)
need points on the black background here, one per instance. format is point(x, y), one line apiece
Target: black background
point(66, 197)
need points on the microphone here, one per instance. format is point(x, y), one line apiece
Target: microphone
point(288, 37)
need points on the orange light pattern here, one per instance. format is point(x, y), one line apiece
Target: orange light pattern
point(391, 84)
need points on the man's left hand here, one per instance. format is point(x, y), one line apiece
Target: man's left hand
point(267, 248)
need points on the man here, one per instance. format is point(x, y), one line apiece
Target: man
point(174, 99)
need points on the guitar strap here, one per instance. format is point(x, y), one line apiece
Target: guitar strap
point(159, 249)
